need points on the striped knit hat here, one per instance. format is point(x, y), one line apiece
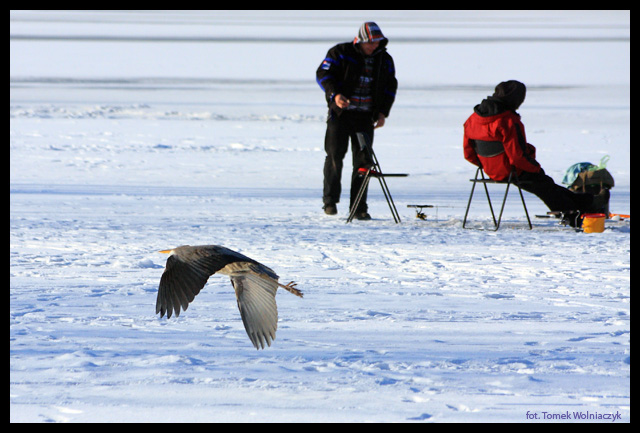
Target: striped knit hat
point(369, 32)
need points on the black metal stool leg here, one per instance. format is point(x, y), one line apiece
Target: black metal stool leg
point(387, 196)
point(525, 209)
point(473, 188)
point(504, 201)
point(356, 202)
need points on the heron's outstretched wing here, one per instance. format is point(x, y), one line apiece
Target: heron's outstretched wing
point(256, 295)
point(183, 279)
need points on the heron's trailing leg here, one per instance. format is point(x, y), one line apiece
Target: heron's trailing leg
point(291, 288)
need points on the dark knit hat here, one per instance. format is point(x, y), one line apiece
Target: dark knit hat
point(369, 32)
point(511, 93)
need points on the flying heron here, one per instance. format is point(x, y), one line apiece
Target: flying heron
point(188, 269)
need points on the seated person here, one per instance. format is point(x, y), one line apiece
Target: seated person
point(495, 119)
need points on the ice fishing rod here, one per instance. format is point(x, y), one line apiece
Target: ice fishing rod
point(421, 215)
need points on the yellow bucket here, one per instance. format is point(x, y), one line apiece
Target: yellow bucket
point(593, 222)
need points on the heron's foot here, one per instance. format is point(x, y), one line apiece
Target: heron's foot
point(291, 287)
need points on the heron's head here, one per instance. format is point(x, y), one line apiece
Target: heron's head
point(176, 250)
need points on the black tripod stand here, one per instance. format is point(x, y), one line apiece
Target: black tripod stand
point(368, 173)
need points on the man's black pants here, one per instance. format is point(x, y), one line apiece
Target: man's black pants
point(339, 130)
point(556, 197)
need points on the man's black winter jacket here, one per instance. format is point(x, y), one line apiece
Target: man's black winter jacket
point(341, 69)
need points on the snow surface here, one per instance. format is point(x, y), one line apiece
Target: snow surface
point(132, 132)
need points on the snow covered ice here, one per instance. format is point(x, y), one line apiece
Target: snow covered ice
point(132, 132)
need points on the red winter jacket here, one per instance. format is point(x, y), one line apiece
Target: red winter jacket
point(506, 127)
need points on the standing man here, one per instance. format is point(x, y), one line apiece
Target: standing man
point(359, 82)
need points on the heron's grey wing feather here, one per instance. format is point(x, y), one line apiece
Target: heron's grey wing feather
point(257, 303)
point(182, 281)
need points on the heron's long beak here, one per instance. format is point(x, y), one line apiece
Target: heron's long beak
point(166, 251)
